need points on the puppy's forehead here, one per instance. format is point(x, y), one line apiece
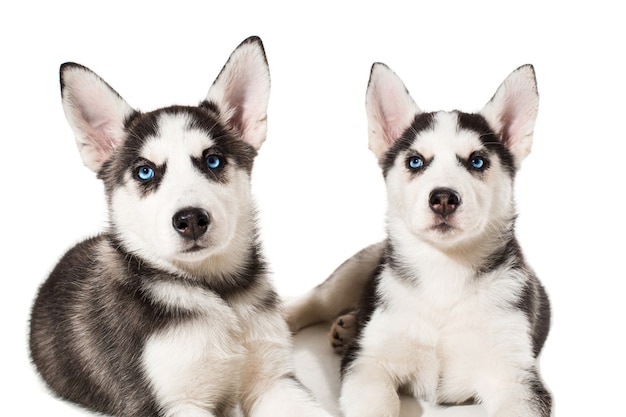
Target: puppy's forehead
point(447, 134)
point(175, 135)
point(156, 134)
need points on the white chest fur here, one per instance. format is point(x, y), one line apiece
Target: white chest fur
point(451, 332)
point(194, 365)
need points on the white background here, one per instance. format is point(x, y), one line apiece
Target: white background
point(319, 189)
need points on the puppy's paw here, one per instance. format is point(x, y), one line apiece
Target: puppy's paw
point(342, 332)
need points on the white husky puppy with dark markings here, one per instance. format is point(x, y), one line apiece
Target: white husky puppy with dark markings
point(446, 308)
point(170, 312)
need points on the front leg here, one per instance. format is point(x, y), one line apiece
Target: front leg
point(270, 387)
point(193, 368)
point(368, 390)
point(285, 396)
point(525, 395)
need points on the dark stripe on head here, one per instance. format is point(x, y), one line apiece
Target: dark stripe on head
point(210, 106)
point(205, 119)
point(489, 138)
point(226, 142)
point(422, 122)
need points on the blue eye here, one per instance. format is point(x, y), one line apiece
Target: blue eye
point(477, 162)
point(416, 162)
point(213, 161)
point(145, 173)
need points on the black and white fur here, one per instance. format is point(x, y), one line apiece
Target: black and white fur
point(170, 312)
point(448, 310)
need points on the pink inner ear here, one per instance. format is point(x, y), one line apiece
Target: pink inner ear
point(507, 120)
point(101, 140)
point(95, 112)
point(98, 126)
point(513, 110)
point(241, 91)
point(393, 130)
point(243, 111)
point(517, 119)
point(390, 108)
point(248, 113)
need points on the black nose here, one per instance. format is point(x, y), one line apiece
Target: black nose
point(444, 201)
point(191, 223)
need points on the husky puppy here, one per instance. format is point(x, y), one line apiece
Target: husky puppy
point(170, 312)
point(448, 310)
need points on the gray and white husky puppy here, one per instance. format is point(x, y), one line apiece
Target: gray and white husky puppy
point(170, 312)
point(447, 309)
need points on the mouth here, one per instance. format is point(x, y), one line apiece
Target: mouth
point(442, 226)
point(192, 252)
point(194, 248)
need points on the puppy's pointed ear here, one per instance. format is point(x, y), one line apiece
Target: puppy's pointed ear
point(95, 112)
point(241, 91)
point(390, 109)
point(513, 110)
